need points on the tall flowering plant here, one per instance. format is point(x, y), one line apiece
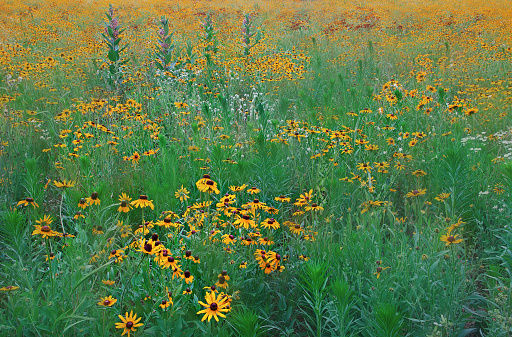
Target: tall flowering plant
point(165, 46)
point(209, 35)
point(248, 34)
point(111, 37)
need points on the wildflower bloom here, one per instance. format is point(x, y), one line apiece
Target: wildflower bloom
point(93, 199)
point(45, 231)
point(143, 202)
point(64, 183)
point(415, 193)
point(9, 288)
point(182, 194)
point(214, 306)
point(124, 205)
point(82, 203)
point(379, 270)
point(107, 301)
point(46, 220)
point(28, 201)
point(129, 323)
point(108, 282)
point(237, 188)
point(282, 198)
point(450, 239)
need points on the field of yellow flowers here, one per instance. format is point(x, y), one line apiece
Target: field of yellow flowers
point(255, 168)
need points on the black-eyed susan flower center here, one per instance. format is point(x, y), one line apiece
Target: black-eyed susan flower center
point(106, 302)
point(164, 252)
point(451, 238)
point(213, 306)
point(157, 243)
point(129, 325)
point(231, 237)
point(206, 176)
point(297, 226)
point(143, 197)
point(188, 253)
point(113, 252)
point(94, 195)
point(82, 201)
point(148, 247)
point(46, 229)
point(170, 259)
point(224, 273)
point(124, 203)
point(256, 201)
point(167, 220)
point(164, 302)
point(222, 280)
point(187, 274)
point(209, 182)
point(29, 199)
point(314, 205)
point(379, 269)
point(246, 217)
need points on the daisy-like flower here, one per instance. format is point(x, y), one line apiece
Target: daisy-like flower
point(237, 188)
point(209, 186)
point(28, 201)
point(182, 194)
point(222, 282)
point(244, 221)
point(129, 323)
point(415, 193)
point(187, 291)
point(270, 223)
point(93, 199)
point(143, 202)
point(78, 215)
point(45, 220)
point(253, 190)
point(108, 282)
point(228, 239)
point(64, 184)
point(82, 203)
point(9, 288)
point(243, 265)
point(214, 306)
point(451, 239)
point(45, 231)
point(188, 277)
point(282, 198)
point(107, 301)
point(165, 304)
point(442, 196)
point(314, 207)
point(379, 270)
point(419, 173)
point(124, 205)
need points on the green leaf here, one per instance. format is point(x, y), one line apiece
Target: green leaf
point(113, 55)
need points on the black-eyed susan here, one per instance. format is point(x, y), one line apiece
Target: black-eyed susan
point(237, 188)
point(416, 193)
point(9, 288)
point(379, 270)
point(282, 198)
point(188, 277)
point(243, 265)
point(244, 221)
point(253, 190)
point(45, 220)
point(124, 203)
point(128, 323)
point(451, 239)
point(214, 307)
point(187, 291)
point(45, 231)
point(28, 201)
point(313, 207)
point(108, 282)
point(78, 215)
point(82, 203)
point(209, 186)
point(182, 194)
point(165, 304)
point(270, 223)
point(107, 301)
point(64, 184)
point(143, 202)
point(93, 199)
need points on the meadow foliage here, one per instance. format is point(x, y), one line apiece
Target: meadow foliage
point(261, 168)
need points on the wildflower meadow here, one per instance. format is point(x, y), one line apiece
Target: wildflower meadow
point(255, 168)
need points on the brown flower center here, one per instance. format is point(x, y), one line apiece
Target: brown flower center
point(451, 238)
point(143, 197)
point(148, 247)
point(46, 229)
point(106, 302)
point(129, 325)
point(213, 306)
